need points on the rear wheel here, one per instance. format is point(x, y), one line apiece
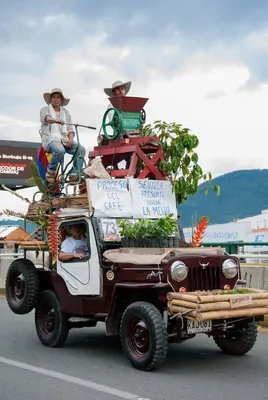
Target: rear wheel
point(51, 323)
point(22, 286)
point(240, 340)
point(144, 336)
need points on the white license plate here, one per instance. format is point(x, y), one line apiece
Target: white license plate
point(199, 327)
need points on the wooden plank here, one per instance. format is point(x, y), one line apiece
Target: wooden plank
point(113, 150)
point(150, 165)
point(141, 141)
point(159, 155)
point(133, 165)
point(34, 245)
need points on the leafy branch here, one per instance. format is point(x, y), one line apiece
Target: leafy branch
point(181, 163)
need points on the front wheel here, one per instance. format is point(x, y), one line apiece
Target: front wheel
point(143, 336)
point(240, 340)
point(52, 325)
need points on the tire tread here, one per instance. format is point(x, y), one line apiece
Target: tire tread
point(249, 340)
point(28, 269)
point(64, 327)
point(160, 335)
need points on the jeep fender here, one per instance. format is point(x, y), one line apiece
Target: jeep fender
point(127, 293)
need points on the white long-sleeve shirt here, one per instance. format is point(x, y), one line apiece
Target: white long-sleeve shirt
point(46, 136)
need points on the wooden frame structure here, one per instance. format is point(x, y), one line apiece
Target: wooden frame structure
point(139, 149)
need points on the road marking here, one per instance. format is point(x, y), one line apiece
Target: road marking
point(72, 379)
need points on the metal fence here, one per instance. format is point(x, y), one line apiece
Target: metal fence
point(239, 249)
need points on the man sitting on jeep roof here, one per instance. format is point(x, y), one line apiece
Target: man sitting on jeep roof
point(75, 246)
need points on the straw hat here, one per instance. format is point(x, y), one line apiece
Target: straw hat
point(109, 91)
point(47, 96)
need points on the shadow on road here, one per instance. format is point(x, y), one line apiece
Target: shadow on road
point(197, 355)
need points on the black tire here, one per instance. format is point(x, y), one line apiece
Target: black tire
point(239, 341)
point(22, 286)
point(51, 324)
point(149, 350)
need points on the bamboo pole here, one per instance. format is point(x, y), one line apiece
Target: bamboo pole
point(182, 296)
point(221, 305)
point(182, 303)
point(183, 310)
point(226, 297)
point(261, 302)
point(218, 306)
point(226, 305)
point(234, 313)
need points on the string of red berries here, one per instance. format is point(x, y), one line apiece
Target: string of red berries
point(53, 237)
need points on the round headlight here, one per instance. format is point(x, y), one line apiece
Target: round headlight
point(178, 271)
point(229, 268)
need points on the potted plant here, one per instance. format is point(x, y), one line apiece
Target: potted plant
point(162, 232)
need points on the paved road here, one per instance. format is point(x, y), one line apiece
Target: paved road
point(92, 366)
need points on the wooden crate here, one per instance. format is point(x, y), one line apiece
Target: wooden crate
point(71, 201)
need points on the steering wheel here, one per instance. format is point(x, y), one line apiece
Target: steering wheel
point(116, 123)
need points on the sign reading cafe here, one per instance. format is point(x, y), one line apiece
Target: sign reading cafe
point(110, 197)
point(137, 198)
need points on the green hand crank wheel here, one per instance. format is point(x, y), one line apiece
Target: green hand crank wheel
point(116, 123)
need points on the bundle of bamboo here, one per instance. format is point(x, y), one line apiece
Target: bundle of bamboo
point(202, 306)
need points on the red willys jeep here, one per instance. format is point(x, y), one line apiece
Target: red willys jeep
point(148, 296)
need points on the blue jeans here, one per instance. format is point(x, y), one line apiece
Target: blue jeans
point(58, 151)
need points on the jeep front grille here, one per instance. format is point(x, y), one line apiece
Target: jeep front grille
point(203, 279)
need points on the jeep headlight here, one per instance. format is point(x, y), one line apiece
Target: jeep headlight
point(178, 271)
point(229, 268)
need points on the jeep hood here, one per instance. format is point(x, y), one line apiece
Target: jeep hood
point(155, 256)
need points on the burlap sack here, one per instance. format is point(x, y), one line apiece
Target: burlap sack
point(97, 170)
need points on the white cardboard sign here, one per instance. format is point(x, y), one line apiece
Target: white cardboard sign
point(152, 198)
point(110, 197)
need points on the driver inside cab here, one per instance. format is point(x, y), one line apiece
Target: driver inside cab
point(75, 246)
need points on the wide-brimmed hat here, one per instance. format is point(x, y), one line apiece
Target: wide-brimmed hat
point(47, 96)
point(109, 91)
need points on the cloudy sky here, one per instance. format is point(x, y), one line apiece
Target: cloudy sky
point(202, 63)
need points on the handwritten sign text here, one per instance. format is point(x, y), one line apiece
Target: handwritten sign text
point(152, 198)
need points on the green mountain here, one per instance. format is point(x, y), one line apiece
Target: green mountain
point(243, 193)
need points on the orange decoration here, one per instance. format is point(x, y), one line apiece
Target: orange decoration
point(199, 232)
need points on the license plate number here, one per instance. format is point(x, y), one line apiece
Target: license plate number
point(199, 327)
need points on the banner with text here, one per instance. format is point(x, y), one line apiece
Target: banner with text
point(152, 198)
point(110, 197)
point(15, 159)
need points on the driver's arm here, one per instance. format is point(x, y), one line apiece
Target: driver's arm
point(68, 256)
point(67, 252)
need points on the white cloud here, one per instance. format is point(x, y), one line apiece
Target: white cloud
point(7, 121)
point(258, 40)
point(30, 22)
point(62, 18)
point(137, 20)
